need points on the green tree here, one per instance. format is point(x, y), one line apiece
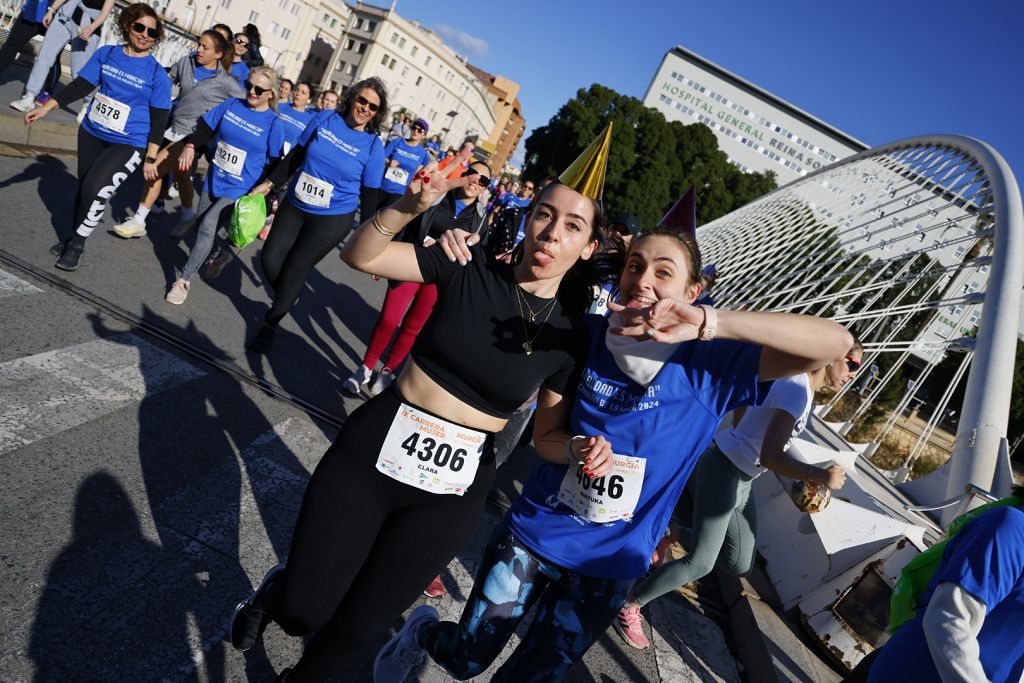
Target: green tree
point(651, 161)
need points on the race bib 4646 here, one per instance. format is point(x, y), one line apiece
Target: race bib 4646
point(608, 498)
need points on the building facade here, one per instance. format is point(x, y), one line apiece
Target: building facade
point(423, 76)
point(509, 123)
point(757, 130)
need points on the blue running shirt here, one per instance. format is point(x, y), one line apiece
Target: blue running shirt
point(128, 87)
point(338, 161)
point(201, 73)
point(662, 428)
point(244, 141)
point(986, 559)
point(294, 121)
point(241, 72)
point(35, 10)
point(409, 157)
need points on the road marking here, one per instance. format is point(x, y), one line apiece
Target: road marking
point(15, 286)
point(51, 392)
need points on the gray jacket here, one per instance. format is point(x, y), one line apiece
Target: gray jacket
point(195, 99)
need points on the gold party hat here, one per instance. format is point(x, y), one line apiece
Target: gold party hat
point(586, 174)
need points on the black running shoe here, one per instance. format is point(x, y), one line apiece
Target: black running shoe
point(263, 340)
point(58, 248)
point(250, 619)
point(71, 257)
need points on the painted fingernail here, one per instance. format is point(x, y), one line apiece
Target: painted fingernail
point(590, 474)
point(426, 180)
point(462, 262)
point(585, 469)
point(588, 460)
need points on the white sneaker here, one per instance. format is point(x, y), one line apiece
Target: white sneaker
point(172, 191)
point(130, 228)
point(403, 651)
point(383, 381)
point(178, 293)
point(359, 379)
point(26, 103)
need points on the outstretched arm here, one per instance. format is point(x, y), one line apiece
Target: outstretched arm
point(775, 457)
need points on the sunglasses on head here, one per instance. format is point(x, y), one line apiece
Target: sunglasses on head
point(360, 100)
point(483, 181)
point(852, 364)
point(243, 43)
point(259, 91)
point(141, 28)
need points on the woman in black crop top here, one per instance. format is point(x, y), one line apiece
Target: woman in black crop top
point(402, 488)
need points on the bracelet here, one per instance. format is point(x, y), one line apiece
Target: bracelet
point(379, 227)
point(710, 325)
point(570, 457)
point(189, 145)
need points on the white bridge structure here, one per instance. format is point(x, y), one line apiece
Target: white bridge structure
point(918, 247)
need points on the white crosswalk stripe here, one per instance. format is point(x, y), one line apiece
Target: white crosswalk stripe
point(15, 286)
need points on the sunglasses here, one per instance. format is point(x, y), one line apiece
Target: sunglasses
point(852, 364)
point(421, 129)
point(362, 101)
point(483, 181)
point(141, 29)
point(239, 41)
point(259, 91)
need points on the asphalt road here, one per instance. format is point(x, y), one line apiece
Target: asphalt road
point(145, 491)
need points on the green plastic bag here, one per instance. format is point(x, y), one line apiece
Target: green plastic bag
point(918, 573)
point(247, 219)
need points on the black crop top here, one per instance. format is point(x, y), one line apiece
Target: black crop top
point(472, 344)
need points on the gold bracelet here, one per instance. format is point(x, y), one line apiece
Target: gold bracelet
point(379, 227)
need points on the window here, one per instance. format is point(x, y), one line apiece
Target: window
point(283, 4)
point(428, 61)
point(285, 32)
point(405, 71)
point(273, 27)
point(254, 17)
point(341, 67)
point(370, 25)
point(362, 48)
point(415, 49)
point(392, 64)
point(351, 69)
point(350, 45)
point(394, 38)
point(225, 3)
point(384, 61)
point(419, 79)
point(401, 42)
point(295, 10)
point(334, 23)
point(326, 18)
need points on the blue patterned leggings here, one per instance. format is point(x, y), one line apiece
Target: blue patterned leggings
point(574, 611)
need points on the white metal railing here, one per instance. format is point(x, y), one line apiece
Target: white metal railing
point(914, 245)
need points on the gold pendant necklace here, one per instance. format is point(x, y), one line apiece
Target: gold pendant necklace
point(527, 345)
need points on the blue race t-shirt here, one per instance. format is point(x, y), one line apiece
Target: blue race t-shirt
point(128, 87)
point(338, 161)
point(35, 10)
point(663, 428)
point(240, 71)
point(244, 141)
point(409, 158)
point(509, 200)
point(201, 73)
point(986, 559)
point(294, 121)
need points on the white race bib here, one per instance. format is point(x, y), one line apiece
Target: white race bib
point(229, 158)
point(397, 174)
point(608, 498)
point(313, 191)
point(430, 453)
point(109, 113)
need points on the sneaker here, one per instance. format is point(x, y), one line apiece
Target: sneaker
point(71, 257)
point(660, 553)
point(178, 293)
point(630, 625)
point(263, 340)
point(42, 98)
point(435, 589)
point(250, 620)
point(215, 264)
point(130, 228)
point(172, 191)
point(58, 248)
point(403, 652)
point(183, 226)
point(383, 381)
point(26, 103)
point(359, 379)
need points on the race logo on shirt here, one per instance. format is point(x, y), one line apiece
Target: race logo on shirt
point(132, 80)
point(247, 126)
point(345, 147)
point(615, 399)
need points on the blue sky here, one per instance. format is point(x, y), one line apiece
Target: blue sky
point(879, 71)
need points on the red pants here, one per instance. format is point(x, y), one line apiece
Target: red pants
point(408, 304)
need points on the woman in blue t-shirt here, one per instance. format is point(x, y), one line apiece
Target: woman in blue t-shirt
point(296, 114)
point(244, 136)
point(124, 125)
point(335, 166)
point(403, 159)
point(587, 521)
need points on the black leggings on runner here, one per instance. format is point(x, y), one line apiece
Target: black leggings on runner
point(23, 31)
point(365, 545)
point(298, 241)
point(102, 167)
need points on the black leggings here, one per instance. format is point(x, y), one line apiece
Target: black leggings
point(23, 31)
point(365, 545)
point(102, 167)
point(297, 243)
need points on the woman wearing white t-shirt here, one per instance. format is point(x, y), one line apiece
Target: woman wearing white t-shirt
point(724, 515)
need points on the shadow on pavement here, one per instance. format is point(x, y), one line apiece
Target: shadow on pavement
point(53, 181)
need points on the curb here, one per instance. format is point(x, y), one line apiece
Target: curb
point(44, 135)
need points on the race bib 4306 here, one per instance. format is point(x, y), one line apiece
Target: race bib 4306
point(109, 113)
point(608, 498)
point(430, 453)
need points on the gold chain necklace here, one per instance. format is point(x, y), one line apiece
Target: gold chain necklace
point(528, 344)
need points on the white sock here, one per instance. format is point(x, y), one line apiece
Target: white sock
point(141, 213)
point(187, 213)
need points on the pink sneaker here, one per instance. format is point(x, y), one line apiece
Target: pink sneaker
point(660, 552)
point(435, 589)
point(630, 625)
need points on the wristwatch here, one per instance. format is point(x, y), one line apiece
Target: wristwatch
point(710, 325)
point(150, 160)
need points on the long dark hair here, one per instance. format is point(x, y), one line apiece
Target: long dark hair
point(376, 124)
point(132, 13)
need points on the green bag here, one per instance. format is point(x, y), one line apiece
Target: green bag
point(247, 219)
point(918, 573)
